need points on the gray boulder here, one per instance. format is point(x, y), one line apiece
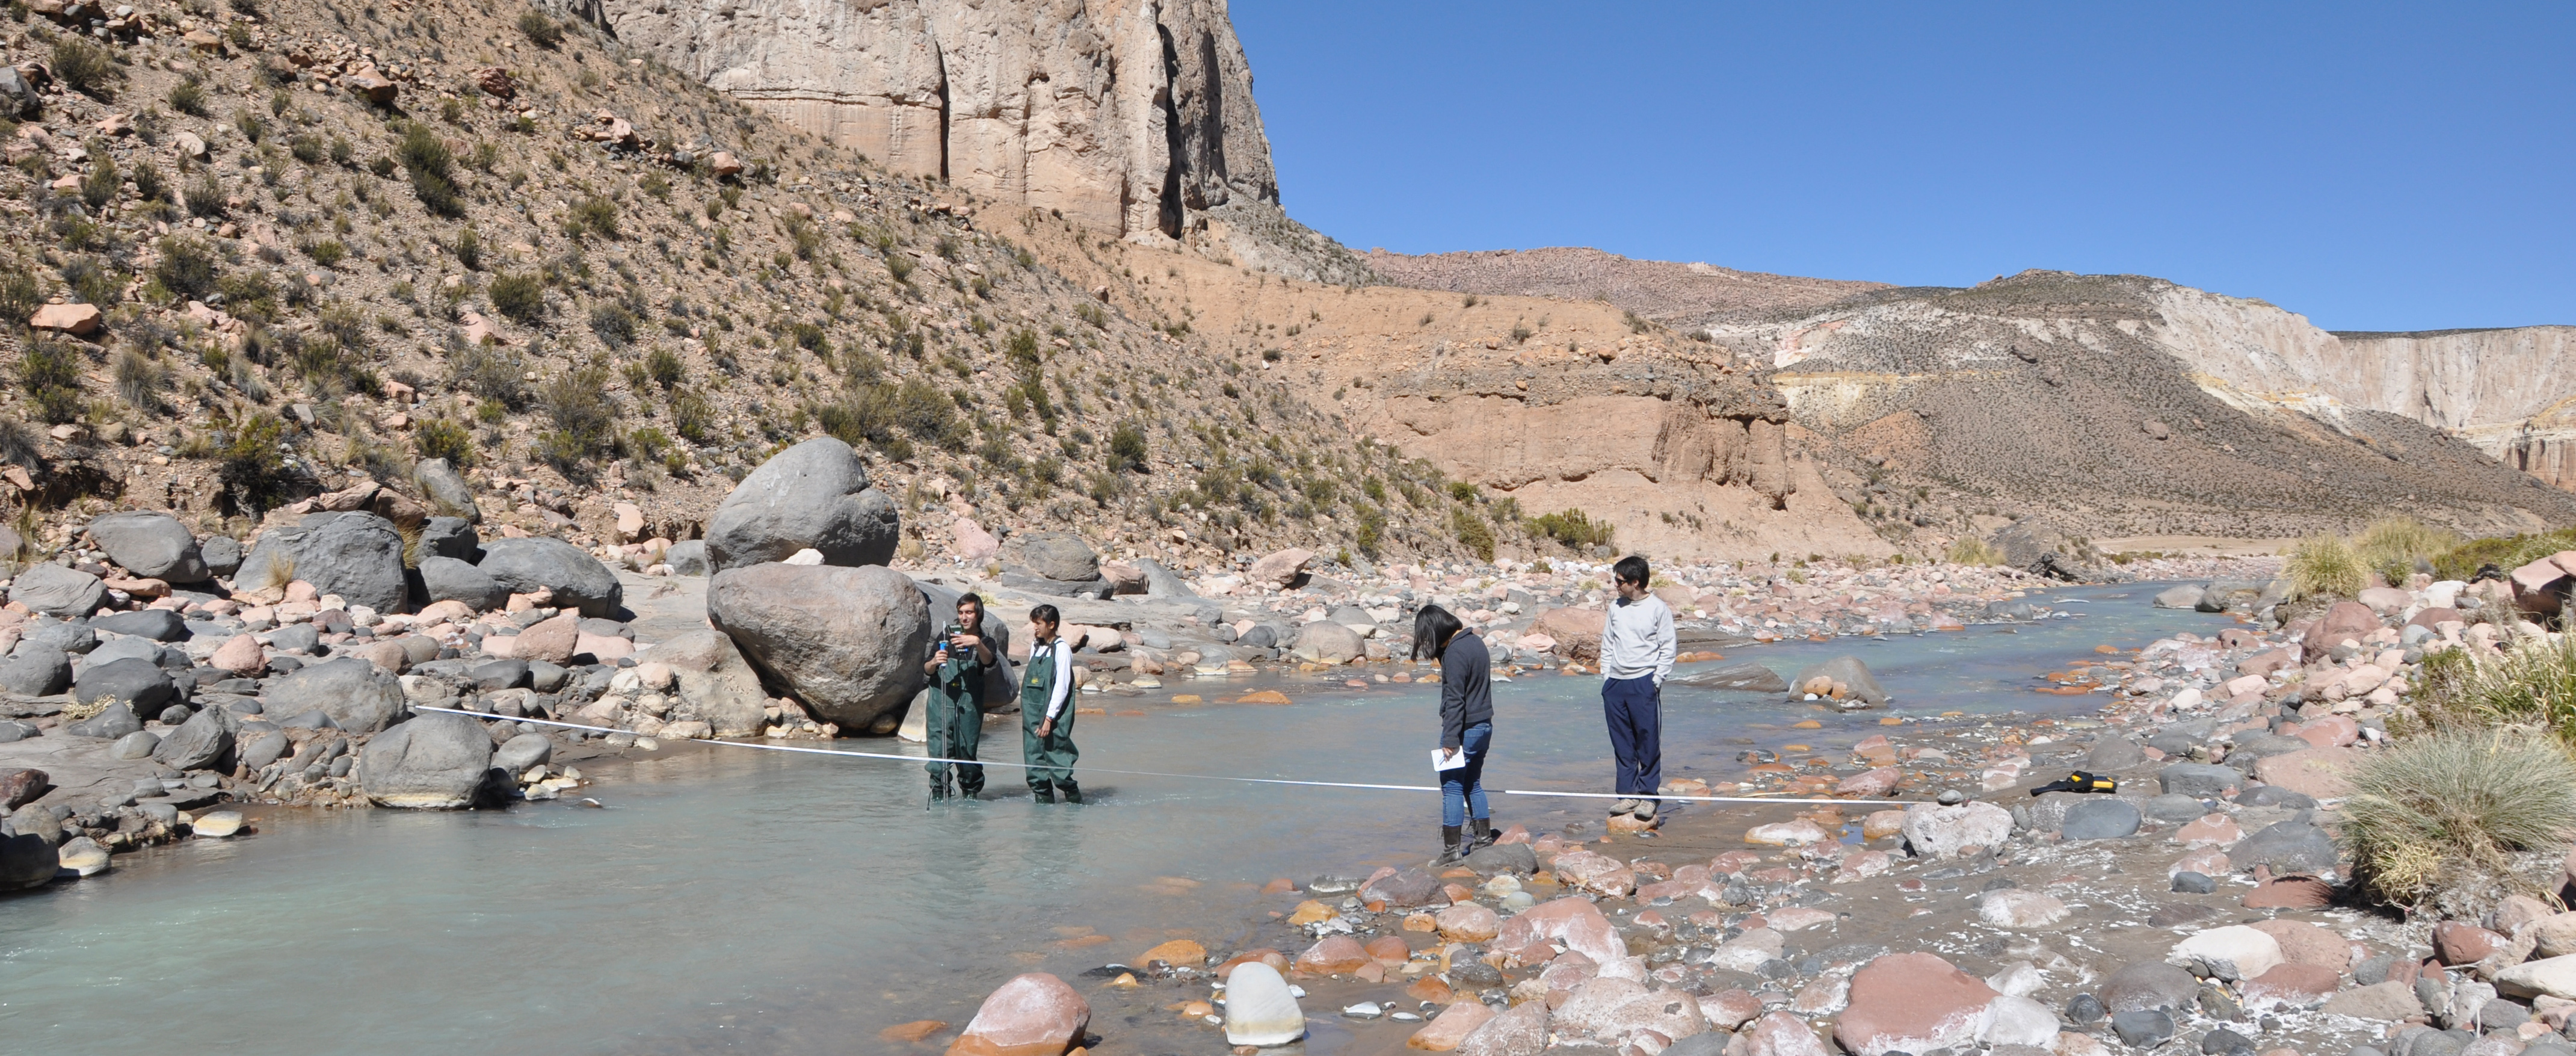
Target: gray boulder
point(446, 491)
point(517, 754)
point(848, 642)
point(1161, 582)
point(450, 537)
point(136, 745)
point(2114, 752)
point(578, 580)
point(117, 721)
point(2182, 597)
point(72, 636)
point(197, 744)
point(268, 748)
point(450, 579)
point(57, 591)
point(116, 649)
point(1746, 676)
point(160, 625)
point(2231, 595)
point(1056, 563)
point(2287, 847)
point(2198, 780)
point(222, 555)
point(2101, 818)
point(151, 544)
point(132, 681)
point(435, 762)
point(1326, 642)
point(2148, 985)
point(716, 685)
point(27, 861)
point(688, 557)
point(355, 694)
point(814, 495)
point(271, 561)
point(2175, 809)
point(358, 556)
point(35, 669)
point(1847, 670)
point(18, 96)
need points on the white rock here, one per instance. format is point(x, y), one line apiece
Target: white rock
point(2014, 1020)
point(2230, 953)
point(1259, 1009)
point(2021, 909)
point(807, 556)
point(2554, 976)
point(2020, 979)
point(82, 855)
point(1939, 832)
point(218, 823)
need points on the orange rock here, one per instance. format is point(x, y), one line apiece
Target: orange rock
point(1179, 953)
point(1032, 1015)
point(1264, 696)
point(1310, 912)
point(1430, 988)
point(1185, 698)
point(1450, 1027)
point(1388, 949)
point(1335, 954)
point(1263, 955)
point(79, 319)
point(1420, 922)
point(1280, 886)
point(913, 1031)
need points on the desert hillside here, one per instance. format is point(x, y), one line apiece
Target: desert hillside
point(1682, 296)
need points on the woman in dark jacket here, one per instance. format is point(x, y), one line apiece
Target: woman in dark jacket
point(1466, 725)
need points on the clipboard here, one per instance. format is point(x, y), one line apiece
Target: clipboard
point(1450, 763)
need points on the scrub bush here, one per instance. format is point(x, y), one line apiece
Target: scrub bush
point(2451, 811)
point(2325, 564)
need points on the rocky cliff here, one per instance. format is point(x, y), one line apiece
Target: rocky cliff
point(1125, 115)
point(1683, 296)
point(2510, 391)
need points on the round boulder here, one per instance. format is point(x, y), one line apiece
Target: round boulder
point(27, 861)
point(450, 579)
point(1846, 672)
point(138, 683)
point(197, 744)
point(1326, 642)
point(435, 762)
point(848, 641)
point(36, 669)
point(358, 556)
point(357, 695)
point(577, 579)
point(151, 544)
point(54, 590)
point(222, 555)
point(814, 496)
point(1033, 1014)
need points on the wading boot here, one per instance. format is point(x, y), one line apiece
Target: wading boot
point(1450, 849)
point(1042, 793)
point(1484, 835)
point(938, 789)
point(1072, 792)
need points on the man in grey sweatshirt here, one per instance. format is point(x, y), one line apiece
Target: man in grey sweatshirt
point(1637, 648)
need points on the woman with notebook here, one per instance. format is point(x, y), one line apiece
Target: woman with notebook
point(1466, 727)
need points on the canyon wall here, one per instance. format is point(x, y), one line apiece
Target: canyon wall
point(1125, 115)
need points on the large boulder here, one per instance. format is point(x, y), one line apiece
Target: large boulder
point(446, 491)
point(1745, 676)
point(2292, 846)
point(449, 579)
point(1161, 582)
point(1283, 569)
point(688, 557)
point(1033, 1015)
point(2346, 621)
point(151, 544)
point(2185, 596)
point(1912, 1002)
point(57, 591)
point(814, 496)
point(358, 556)
point(222, 555)
point(435, 762)
point(27, 861)
point(132, 681)
point(848, 641)
point(1940, 832)
point(1326, 642)
point(577, 579)
point(716, 685)
point(160, 625)
point(1057, 563)
point(450, 537)
point(36, 669)
point(357, 695)
point(1576, 631)
point(197, 744)
point(270, 564)
point(1844, 678)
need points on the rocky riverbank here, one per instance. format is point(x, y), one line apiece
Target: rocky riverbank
point(2205, 903)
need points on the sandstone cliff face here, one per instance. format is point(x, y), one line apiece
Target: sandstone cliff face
point(2118, 405)
point(1126, 115)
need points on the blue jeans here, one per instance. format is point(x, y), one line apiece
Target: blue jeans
point(1634, 710)
point(1462, 790)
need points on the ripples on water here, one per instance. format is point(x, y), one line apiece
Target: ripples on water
point(741, 901)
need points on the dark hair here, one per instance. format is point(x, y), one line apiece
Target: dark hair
point(978, 599)
point(1432, 629)
point(1045, 614)
point(1630, 569)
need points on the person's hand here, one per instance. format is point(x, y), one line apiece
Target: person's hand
point(1046, 728)
point(1448, 753)
point(965, 641)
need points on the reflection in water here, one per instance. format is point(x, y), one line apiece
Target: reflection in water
point(755, 902)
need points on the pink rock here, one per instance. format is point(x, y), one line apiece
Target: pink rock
point(2291, 985)
point(1576, 632)
point(2211, 862)
point(969, 541)
point(1450, 1028)
point(2291, 892)
point(1879, 782)
point(1797, 833)
point(2332, 731)
point(240, 654)
point(630, 521)
point(1280, 569)
point(1335, 955)
point(1911, 1002)
point(2305, 943)
point(1861, 865)
point(66, 318)
point(1730, 1009)
point(501, 647)
point(2213, 830)
point(2347, 621)
point(1573, 920)
point(1782, 1034)
point(2456, 943)
point(1800, 918)
point(1468, 922)
point(301, 591)
point(1522, 1031)
point(446, 612)
point(553, 640)
point(1033, 1015)
point(388, 655)
point(2320, 772)
point(602, 648)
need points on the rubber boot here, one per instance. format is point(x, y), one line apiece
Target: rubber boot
point(1485, 836)
point(1042, 792)
point(938, 789)
point(1072, 792)
point(1450, 849)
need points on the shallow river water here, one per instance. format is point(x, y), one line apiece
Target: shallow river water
point(743, 901)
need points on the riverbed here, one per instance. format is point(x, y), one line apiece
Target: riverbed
point(729, 900)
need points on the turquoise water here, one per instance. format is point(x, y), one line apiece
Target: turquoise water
point(736, 901)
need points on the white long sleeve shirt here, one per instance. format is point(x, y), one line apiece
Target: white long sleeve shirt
point(1063, 667)
point(1637, 639)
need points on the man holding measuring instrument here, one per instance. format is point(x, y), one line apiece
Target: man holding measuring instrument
point(955, 722)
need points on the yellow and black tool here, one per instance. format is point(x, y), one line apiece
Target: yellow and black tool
point(2079, 781)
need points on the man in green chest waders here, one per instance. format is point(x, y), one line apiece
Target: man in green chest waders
point(1046, 710)
point(956, 720)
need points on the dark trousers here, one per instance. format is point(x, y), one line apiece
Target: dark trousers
point(1633, 708)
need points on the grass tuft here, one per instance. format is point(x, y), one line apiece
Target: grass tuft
point(2451, 809)
point(2325, 564)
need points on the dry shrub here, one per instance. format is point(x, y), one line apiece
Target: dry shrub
point(2325, 564)
point(2395, 547)
point(2454, 810)
point(1972, 550)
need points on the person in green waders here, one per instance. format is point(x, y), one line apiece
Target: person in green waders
point(1046, 710)
point(956, 720)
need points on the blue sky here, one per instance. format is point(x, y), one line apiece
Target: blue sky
point(2372, 166)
